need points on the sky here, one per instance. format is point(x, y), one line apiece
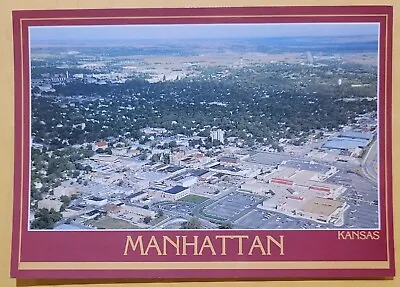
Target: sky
point(200, 31)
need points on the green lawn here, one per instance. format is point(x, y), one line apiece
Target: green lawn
point(157, 220)
point(193, 198)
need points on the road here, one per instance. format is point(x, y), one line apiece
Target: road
point(369, 162)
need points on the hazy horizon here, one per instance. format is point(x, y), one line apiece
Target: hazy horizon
point(200, 31)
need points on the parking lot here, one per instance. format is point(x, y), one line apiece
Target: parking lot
point(360, 195)
point(268, 158)
point(232, 205)
point(261, 219)
point(180, 207)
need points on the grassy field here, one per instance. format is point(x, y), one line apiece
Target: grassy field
point(193, 198)
point(112, 223)
point(157, 220)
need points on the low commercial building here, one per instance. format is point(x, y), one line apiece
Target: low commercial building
point(229, 159)
point(306, 179)
point(322, 209)
point(137, 196)
point(357, 135)
point(106, 158)
point(255, 186)
point(131, 213)
point(92, 214)
point(100, 145)
point(345, 143)
point(64, 191)
point(50, 203)
point(154, 131)
point(188, 181)
point(139, 211)
point(97, 201)
point(175, 193)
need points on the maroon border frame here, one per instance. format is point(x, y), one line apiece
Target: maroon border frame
point(114, 240)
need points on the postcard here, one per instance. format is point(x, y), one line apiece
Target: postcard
point(203, 143)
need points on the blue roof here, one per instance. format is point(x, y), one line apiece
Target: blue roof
point(356, 135)
point(345, 143)
point(176, 189)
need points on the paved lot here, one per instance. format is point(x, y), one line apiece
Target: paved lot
point(268, 158)
point(362, 196)
point(362, 213)
point(180, 207)
point(231, 205)
point(261, 219)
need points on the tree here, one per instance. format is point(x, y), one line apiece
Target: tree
point(155, 157)
point(75, 173)
point(65, 199)
point(160, 213)
point(227, 225)
point(147, 219)
point(193, 223)
point(166, 158)
point(45, 219)
point(88, 168)
point(172, 144)
point(143, 155)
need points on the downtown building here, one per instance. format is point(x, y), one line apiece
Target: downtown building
point(217, 135)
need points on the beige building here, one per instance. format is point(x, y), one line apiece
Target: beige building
point(255, 186)
point(50, 203)
point(322, 209)
point(64, 190)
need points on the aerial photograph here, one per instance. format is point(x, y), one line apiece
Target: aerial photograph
point(204, 126)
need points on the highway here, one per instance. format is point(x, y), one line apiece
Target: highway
point(369, 162)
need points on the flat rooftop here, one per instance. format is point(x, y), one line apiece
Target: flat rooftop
point(96, 198)
point(267, 158)
point(357, 135)
point(135, 194)
point(344, 143)
point(176, 189)
point(322, 206)
point(307, 165)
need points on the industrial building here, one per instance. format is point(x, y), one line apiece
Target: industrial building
point(349, 140)
point(345, 143)
point(357, 135)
